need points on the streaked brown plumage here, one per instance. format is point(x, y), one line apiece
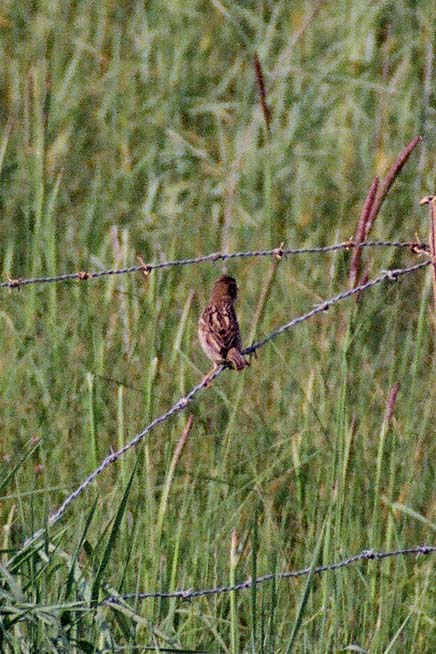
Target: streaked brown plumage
point(218, 328)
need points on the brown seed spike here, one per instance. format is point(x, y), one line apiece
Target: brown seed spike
point(362, 231)
point(391, 402)
point(260, 83)
point(374, 200)
point(390, 179)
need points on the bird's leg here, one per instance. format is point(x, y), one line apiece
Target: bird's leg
point(206, 379)
point(216, 366)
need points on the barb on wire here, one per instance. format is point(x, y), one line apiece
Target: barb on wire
point(181, 405)
point(11, 283)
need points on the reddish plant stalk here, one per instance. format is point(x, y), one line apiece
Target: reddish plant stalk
point(390, 404)
point(261, 88)
point(361, 231)
point(390, 179)
point(374, 200)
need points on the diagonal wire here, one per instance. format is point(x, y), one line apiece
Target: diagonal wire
point(217, 256)
point(181, 405)
point(387, 275)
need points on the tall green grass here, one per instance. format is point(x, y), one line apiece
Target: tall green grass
point(134, 129)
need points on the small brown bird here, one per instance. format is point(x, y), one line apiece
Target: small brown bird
point(218, 328)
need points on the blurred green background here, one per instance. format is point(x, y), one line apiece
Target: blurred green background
point(134, 129)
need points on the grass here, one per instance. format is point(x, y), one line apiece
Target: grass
point(133, 129)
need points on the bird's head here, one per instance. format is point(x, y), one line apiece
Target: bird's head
point(225, 289)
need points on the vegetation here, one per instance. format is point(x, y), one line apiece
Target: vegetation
point(135, 129)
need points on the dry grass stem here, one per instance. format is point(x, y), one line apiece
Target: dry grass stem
point(430, 200)
point(263, 297)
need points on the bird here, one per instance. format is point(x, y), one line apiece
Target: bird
point(218, 328)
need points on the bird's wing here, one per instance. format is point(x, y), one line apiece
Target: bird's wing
point(220, 328)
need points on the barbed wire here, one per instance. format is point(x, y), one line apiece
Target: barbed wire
point(189, 594)
point(182, 403)
point(387, 275)
point(280, 252)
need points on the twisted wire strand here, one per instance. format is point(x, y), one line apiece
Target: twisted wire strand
point(182, 403)
point(365, 555)
point(387, 275)
point(191, 594)
point(217, 256)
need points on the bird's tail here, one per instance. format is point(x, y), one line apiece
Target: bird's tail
point(236, 359)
